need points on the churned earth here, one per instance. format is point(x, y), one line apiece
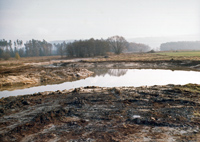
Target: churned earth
point(29, 72)
point(35, 72)
point(156, 113)
point(27, 76)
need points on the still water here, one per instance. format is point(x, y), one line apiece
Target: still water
point(117, 78)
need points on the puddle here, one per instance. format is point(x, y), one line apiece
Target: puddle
point(118, 78)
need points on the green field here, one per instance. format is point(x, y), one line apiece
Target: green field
point(181, 53)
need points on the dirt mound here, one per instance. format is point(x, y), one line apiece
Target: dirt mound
point(41, 75)
point(158, 113)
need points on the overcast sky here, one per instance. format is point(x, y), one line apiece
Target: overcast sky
point(83, 19)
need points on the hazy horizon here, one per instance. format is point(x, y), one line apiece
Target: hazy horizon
point(153, 42)
point(65, 19)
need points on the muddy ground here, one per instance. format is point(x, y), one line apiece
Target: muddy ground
point(157, 113)
point(168, 64)
point(27, 76)
point(53, 72)
point(90, 114)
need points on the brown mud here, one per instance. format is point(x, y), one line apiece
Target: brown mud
point(90, 114)
point(27, 76)
point(53, 72)
point(164, 64)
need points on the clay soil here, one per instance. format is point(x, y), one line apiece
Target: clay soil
point(157, 113)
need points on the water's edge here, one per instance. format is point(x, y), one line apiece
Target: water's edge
point(118, 78)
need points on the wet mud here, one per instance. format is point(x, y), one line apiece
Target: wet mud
point(168, 64)
point(29, 76)
point(35, 74)
point(90, 114)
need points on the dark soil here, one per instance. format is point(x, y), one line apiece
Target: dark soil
point(157, 113)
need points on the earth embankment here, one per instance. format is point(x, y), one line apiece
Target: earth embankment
point(37, 75)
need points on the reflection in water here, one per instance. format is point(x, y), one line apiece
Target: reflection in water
point(117, 78)
point(99, 72)
point(117, 72)
point(111, 72)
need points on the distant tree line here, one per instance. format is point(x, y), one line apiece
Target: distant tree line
point(92, 47)
point(80, 48)
point(37, 48)
point(181, 45)
point(83, 48)
point(88, 48)
point(6, 48)
point(138, 47)
point(30, 49)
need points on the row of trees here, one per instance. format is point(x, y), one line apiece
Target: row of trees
point(31, 48)
point(6, 48)
point(84, 48)
point(81, 48)
point(38, 48)
point(181, 45)
point(92, 47)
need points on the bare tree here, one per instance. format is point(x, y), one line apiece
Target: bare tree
point(117, 44)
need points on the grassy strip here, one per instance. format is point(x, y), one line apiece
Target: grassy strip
point(159, 56)
point(181, 53)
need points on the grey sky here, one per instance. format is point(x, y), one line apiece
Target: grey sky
point(82, 19)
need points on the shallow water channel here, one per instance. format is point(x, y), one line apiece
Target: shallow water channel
point(118, 78)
